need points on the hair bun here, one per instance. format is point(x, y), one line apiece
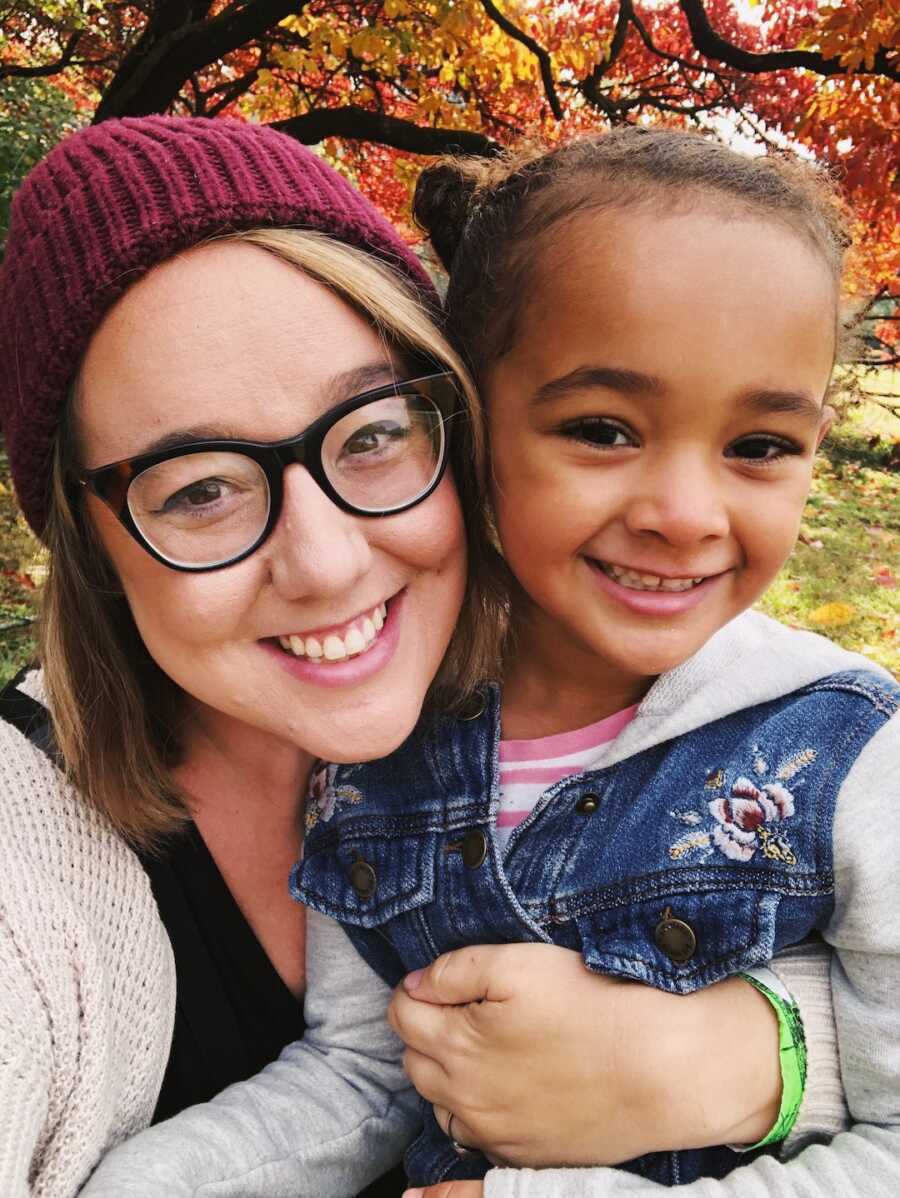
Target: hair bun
point(442, 203)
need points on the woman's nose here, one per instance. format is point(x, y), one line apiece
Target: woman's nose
point(315, 549)
point(682, 501)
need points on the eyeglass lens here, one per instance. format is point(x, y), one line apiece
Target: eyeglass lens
point(210, 507)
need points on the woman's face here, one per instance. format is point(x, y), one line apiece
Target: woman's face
point(228, 341)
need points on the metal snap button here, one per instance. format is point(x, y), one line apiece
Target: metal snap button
point(472, 848)
point(675, 938)
point(473, 706)
point(587, 804)
point(363, 879)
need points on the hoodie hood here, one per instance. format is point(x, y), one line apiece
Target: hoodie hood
point(752, 660)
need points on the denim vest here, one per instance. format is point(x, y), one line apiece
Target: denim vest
point(685, 863)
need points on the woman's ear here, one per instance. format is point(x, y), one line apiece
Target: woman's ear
point(829, 416)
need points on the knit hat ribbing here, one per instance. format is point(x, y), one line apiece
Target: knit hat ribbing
point(115, 199)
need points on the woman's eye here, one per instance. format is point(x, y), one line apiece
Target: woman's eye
point(374, 437)
point(605, 434)
point(199, 494)
point(762, 449)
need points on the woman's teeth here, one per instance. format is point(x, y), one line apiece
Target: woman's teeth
point(359, 637)
point(647, 582)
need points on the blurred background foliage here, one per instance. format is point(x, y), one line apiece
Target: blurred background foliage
point(379, 86)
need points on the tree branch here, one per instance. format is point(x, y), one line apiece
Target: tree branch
point(160, 63)
point(361, 124)
point(590, 85)
point(713, 45)
point(12, 71)
point(543, 57)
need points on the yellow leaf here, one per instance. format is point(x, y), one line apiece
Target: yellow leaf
point(832, 615)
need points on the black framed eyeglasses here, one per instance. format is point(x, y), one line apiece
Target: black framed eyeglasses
point(208, 504)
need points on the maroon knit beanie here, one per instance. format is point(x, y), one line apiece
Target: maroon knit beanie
point(115, 199)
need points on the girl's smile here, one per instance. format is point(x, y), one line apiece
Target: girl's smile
point(651, 594)
point(652, 431)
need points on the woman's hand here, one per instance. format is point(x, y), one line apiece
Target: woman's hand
point(542, 1062)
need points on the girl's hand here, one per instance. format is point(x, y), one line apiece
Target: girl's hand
point(449, 1189)
point(542, 1062)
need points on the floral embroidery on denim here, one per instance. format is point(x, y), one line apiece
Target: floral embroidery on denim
point(323, 796)
point(745, 821)
point(745, 813)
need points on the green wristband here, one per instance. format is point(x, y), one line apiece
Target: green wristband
point(792, 1053)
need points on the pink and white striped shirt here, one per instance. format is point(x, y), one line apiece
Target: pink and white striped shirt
point(529, 767)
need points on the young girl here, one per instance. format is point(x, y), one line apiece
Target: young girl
point(669, 783)
point(652, 320)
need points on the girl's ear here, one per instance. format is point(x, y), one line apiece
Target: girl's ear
point(829, 416)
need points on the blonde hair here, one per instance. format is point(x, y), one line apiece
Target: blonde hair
point(116, 715)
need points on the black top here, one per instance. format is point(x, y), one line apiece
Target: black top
point(233, 1012)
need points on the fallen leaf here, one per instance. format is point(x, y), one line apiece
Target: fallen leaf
point(832, 615)
point(883, 577)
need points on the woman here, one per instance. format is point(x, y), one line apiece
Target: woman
point(219, 614)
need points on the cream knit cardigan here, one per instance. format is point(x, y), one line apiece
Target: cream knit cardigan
point(87, 981)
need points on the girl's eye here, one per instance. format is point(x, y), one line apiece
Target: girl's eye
point(762, 450)
point(600, 432)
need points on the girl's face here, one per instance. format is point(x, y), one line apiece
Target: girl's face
point(653, 430)
point(227, 341)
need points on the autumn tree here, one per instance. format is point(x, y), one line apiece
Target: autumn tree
point(383, 82)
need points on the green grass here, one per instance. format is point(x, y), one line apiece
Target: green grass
point(842, 580)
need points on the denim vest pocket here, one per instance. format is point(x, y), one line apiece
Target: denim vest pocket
point(365, 879)
point(681, 941)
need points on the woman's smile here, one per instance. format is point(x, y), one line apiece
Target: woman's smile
point(328, 634)
point(347, 658)
point(337, 641)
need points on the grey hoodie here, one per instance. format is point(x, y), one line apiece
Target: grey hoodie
point(334, 1111)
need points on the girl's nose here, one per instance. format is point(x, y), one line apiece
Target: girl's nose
point(682, 502)
point(316, 549)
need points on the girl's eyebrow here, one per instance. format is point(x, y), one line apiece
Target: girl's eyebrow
point(588, 378)
point(340, 386)
point(758, 401)
point(766, 402)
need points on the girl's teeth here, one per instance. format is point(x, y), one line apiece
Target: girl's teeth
point(648, 582)
point(355, 640)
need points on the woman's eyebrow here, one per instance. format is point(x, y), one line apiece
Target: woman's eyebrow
point(340, 386)
point(185, 436)
point(588, 378)
point(357, 380)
